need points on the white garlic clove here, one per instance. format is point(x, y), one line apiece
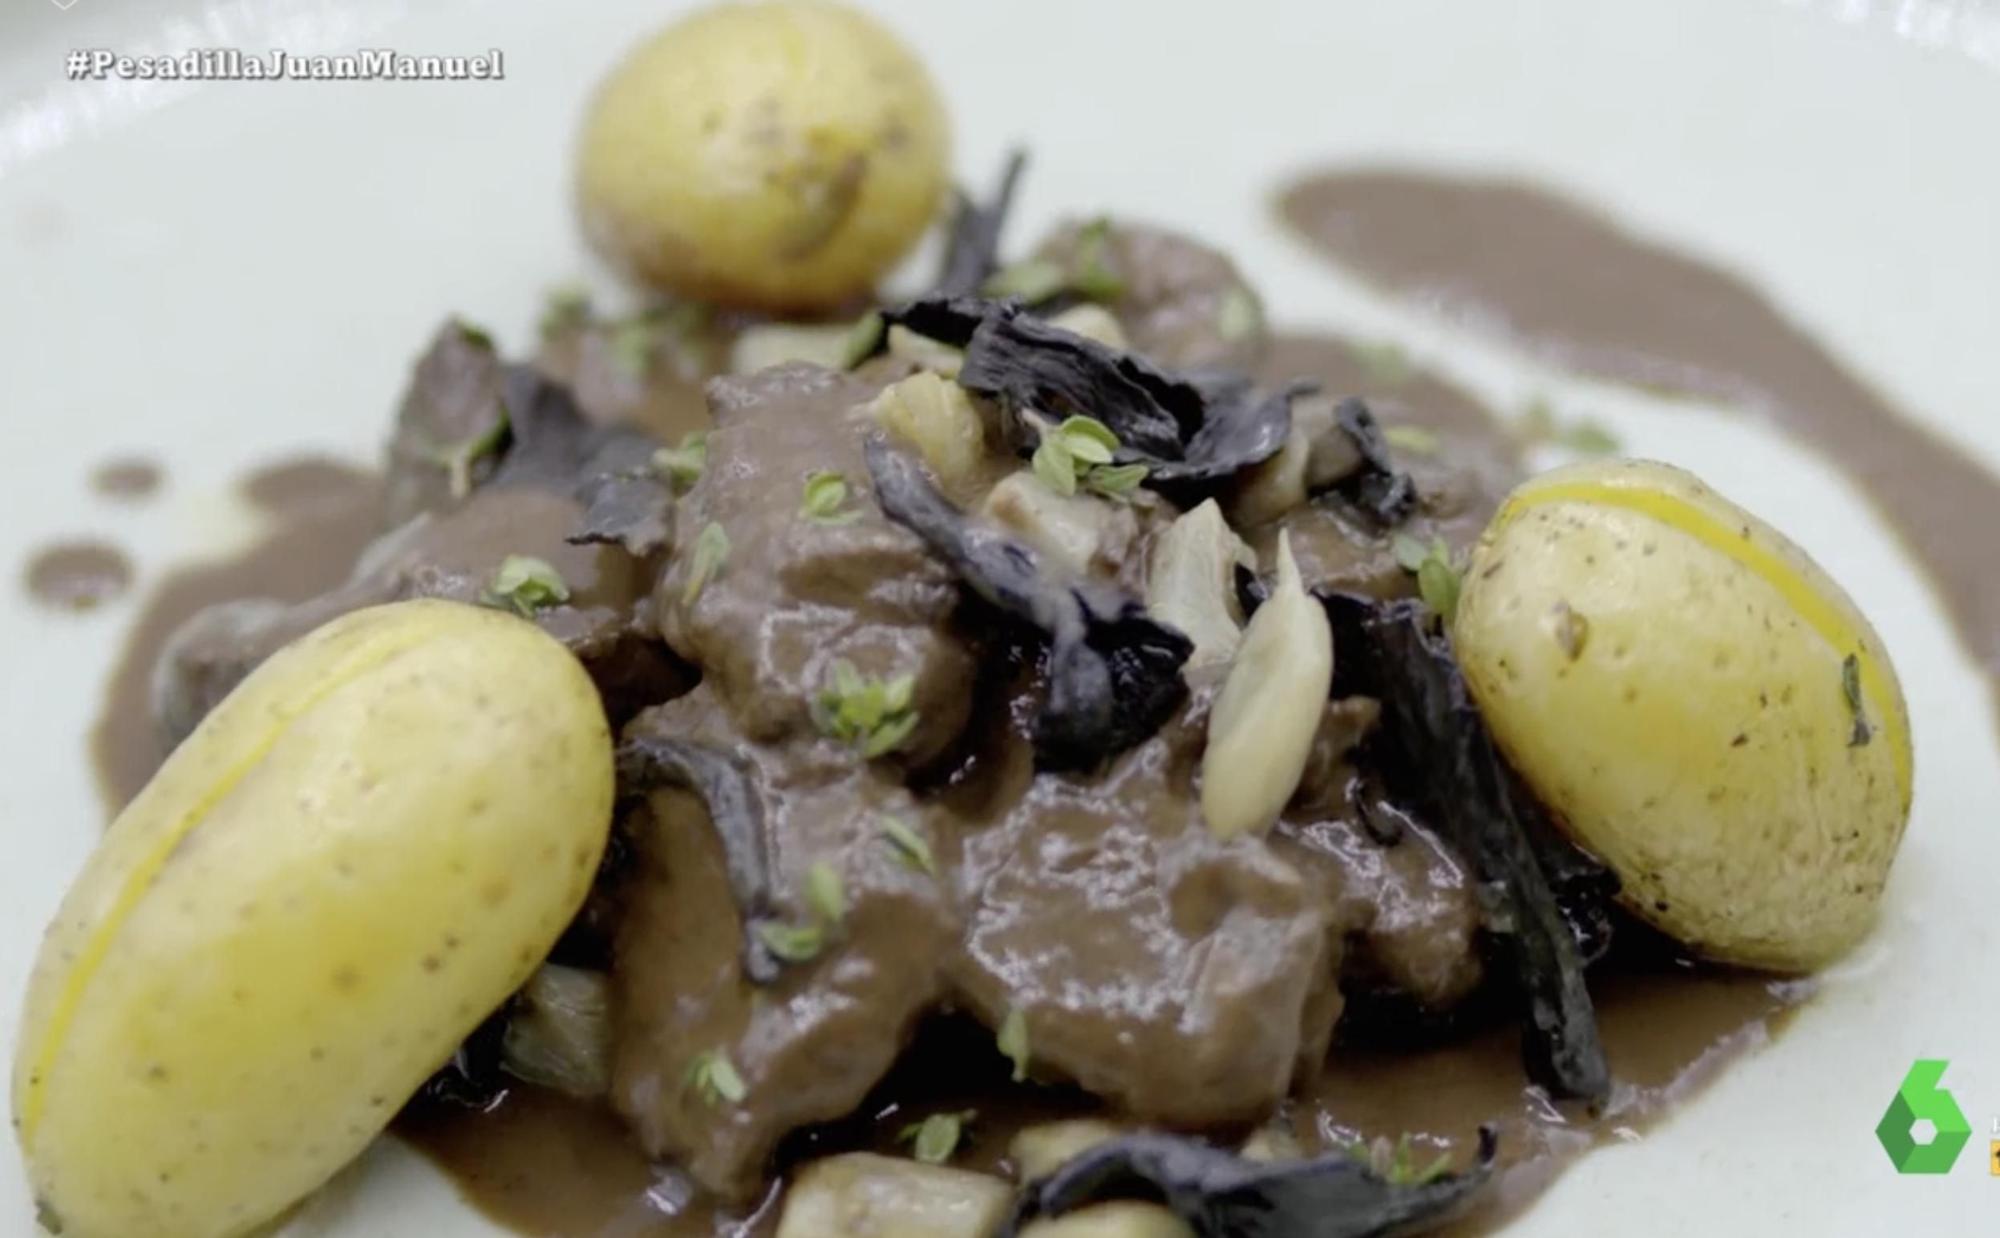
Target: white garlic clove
point(936, 416)
point(1077, 533)
point(1191, 584)
point(1260, 731)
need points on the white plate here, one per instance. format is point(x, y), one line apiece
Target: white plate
point(232, 272)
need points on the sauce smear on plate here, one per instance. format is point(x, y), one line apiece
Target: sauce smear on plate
point(1574, 288)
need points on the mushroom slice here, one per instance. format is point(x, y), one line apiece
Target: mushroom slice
point(1261, 730)
point(862, 1195)
point(935, 416)
point(1074, 532)
point(1191, 584)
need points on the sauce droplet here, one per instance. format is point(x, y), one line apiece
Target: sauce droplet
point(127, 478)
point(78, 575)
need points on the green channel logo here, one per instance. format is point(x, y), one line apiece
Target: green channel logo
point(1921, 1099)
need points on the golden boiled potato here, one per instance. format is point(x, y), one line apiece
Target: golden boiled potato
point(353, 860)
point(1699, 703)
point(779, 155)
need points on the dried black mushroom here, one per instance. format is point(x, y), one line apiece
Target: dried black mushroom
point(547, 437)
point(629, 509)
point(1221, 1195)
point(627, 499)
point(1114, 674)
point(1192, 432)
point(647, 762)
point(972, 248)
point(1445, 763)
point(1377, 488)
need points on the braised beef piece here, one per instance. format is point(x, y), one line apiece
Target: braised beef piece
point(1185, 979)
point(794, 596)
point(523, 502)
point(646, 370)
point(1180, 302)
point(811, 1043)
point(607, 621)
point(449, 427)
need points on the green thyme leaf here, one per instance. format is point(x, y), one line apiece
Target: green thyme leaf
point(1417, 440)
point(910, 845)
point(826, 894)
point(1438, 580)
point(458, 458)
point(475, 334)
point(1850, 687)
point(874, 715)
point(863, 338)
point(566, 308)
point(1438, 584)
point(1537, 422)
point(713, 1077)
point(1383, 364)
point(525, 585)
point(1115, 481)
point(1013, 1041)
point(711, 549)
point(1539, 426)
point(1089, 440)
point(1033, 280)
point(892, 734)
point(935, 1138)
point(1054, 466)
point(633, 342)
point(1089, 277)
point(825, 495)
point(794, 943)
point(1238, 316)
point(682, 465)
point(1080, 451)
point(1588, 438)
point(1402, 1170)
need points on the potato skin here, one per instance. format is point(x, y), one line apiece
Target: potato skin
point(353, 860)
point(1665, 670)
point(778, 156)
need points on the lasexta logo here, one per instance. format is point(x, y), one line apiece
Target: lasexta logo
point(1920, 1099)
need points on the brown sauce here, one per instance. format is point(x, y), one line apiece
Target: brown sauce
point(319, 514)
point(77, 575)
point(552, 1167)
point(1573, 287)
point(128, 479)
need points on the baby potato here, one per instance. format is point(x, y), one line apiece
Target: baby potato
point(353, 860)
point(1700, 705)
point(778, 156)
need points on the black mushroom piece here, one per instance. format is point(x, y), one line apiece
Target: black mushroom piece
point(648, 761)
point(1193, 432)
point(1221, 1195)
point(1445, 762)
point(972, 248)
point(1376, 487)
point(1113, 673)
point(450, 425)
